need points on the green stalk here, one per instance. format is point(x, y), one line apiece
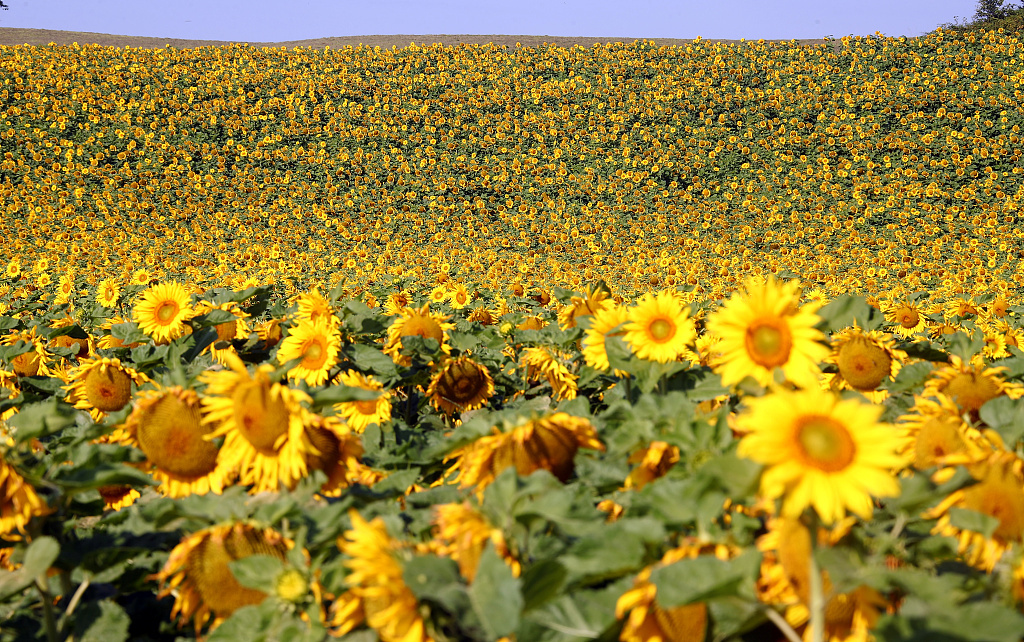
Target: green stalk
point(49, 619)
point(817, 605)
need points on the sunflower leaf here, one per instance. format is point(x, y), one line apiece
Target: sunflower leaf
point(341, 394)
point(495, 595)
point(972, 520)
point(372, 359)
point(705, 578)
point(844, 311)
point(40, 419)
point(257, 572)
point(1005, 416)
point(103, 621)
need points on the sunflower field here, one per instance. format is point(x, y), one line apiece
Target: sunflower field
point(694, 343)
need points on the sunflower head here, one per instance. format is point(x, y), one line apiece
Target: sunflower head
point(361, 413)
point(103, 385)
point(463, 533)
point(315, 345)
point(163, 311)
point(971, 384)
point(659, 328)
point(459, 385)
point(19, 502)
point(416, 322)
point(653, 462)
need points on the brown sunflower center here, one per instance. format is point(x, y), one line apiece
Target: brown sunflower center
point(329, 460)
point(166, 312)
point(908, 317)
point(226, 330)
point(260, 416)
point(366, 406)
point(972, 389)
point(107, 389)
point(171, 433)
point(769, 341)
point(863, 364)
point(825, 443)
point(661, 330)
point(688, 622)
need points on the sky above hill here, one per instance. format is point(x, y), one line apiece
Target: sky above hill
point(283, 20)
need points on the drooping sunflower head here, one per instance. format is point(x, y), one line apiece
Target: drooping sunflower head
point(361, 413)
point(337, 451)
point(227, 331)
point(939, 436)
point(653, 461)
point(863, 359)
point(118, 496)
point(315, 345)
point(33, 362)
point(19, 502)
point(166, 425)
point(163, 311)
point(416, 322)
point(102, 385)
point(459, 385)
point(659, 328)
point(396, 302)
point(971, 384)
point(596, 299)
point(198, 575)
point(547, 363)
point(764, 328)
point(463, 532)
point(821, 452)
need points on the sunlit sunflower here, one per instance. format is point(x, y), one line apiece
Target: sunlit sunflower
point(939, 436)
point(603, 324)
point(999, 493)
point(659, 328)
point(166, 425)
point(653, 462)
point(33, 362)
point(463, 533)
point(227, 331)
point(198, 573)
point(107, 293)
point(459, 385)
point(338, 452)
point(416, 323)
point(13, 269)
point(65, 289)
point(971, 384)
point(596, 299)
point(263, 425)
point(532, 322)
point(546, 364)
point(820, 451)
point(396, 302)
point(459, 296)
point(763, 329)
point(785, 581)
point(19, 502)
point(316, 345)
point(313, 307)
point(947, 326)
point(141, 277)
point(270, 332)
point(863, 361)
point(961, 307)
point(907, 316)
point(162, 312)
point(102, 385)
point(999, 306)
point(706, 350)
point(377, 591)
point(360, 414)
point(548, 442)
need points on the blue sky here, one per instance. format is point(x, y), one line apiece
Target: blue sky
point(282, 20)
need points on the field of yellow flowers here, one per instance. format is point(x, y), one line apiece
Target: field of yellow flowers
point(712, 342)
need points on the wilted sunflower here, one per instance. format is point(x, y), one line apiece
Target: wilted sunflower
point(763, 329)
point(337, 452)
point(820, 451)
point(162, 312)
point(659, 328)
point(166, 425)
point(939, 436)
point(463, 533)
point(419, 323)
point(548, 442)
point(102, 385)
point(198, 575)
point(999, 493)
point(263, 424)
point(107, 293)
point(33, 362)
point(361, 413)
point(316, 344)
point(545, 364)
point(313, 307)
point(396, 302)
point(864, 360)
point(654, 461)
point(19, 502)
point(908, 318)
point(459, 385)
point(971, 384)
point(377, 591)
point(603, 324)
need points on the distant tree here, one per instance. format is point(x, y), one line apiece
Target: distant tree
point(993, 10)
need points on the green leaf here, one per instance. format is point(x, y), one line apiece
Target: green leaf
point(1005, 416)
point(247, 623)
point(609, 551)
point(705, 578)
point(737, 476)
point(965, 346)
point(257, 572)
point(212, 318)
point(910, 377)
point(367, 357)
point(972, 520)
point(495, 595)
point(80, 478)
point(542, 582)
point(103, 621)
point(39, 557)
point(845, 310)
point(435, 578)
point(40, 419)
point(340, 394)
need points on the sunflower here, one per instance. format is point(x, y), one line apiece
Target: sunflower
point(65, 289)
point(13, 269)
point(31, 363)
point(961, 307)
point(659, 328)
point(227, 331)
point(439, 294)
point(544, 363)
point(102, 385)
point(198, 573)
point(999, 493)
point(532, 323)
point(166, 425)
point(821, 451)
point(163, 311)
point(118, 497)
point(377, 591)
point(313, 307)
point(263, 425)
point(396, 302)
point(82, 347)
point(863, 361)
point(107, 293)
point(971, 384)
point(270, 333)
point(764, 329)
point(19, 502)
point(416, 322)
point(654, 461)
point(596, 299)
point(548, 442)
point(459, 297)
point(360, 414)
point(337, 452)
point(908, 317)
point(459, 385)
point(603, 324)
point(939, 436)
point(315, 344)
point(463, 533)
point(141, 276)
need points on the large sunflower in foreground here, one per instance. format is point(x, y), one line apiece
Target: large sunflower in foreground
point(659, 328)
point(315, 344)
point(603, 324)
point(361, 413)
point(263, 424)
point(460, 385)
point(163, 310)
point(548, 442)
point(763, 329)
point(102, 385)
point(377, 591)
point(413, 322)
point(19, 502)
point(198, 575)
point(167, 425)
point(821, 452)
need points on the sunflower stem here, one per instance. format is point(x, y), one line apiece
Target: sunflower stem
point(780, 622)
point(49, 620)
point(817, 605)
